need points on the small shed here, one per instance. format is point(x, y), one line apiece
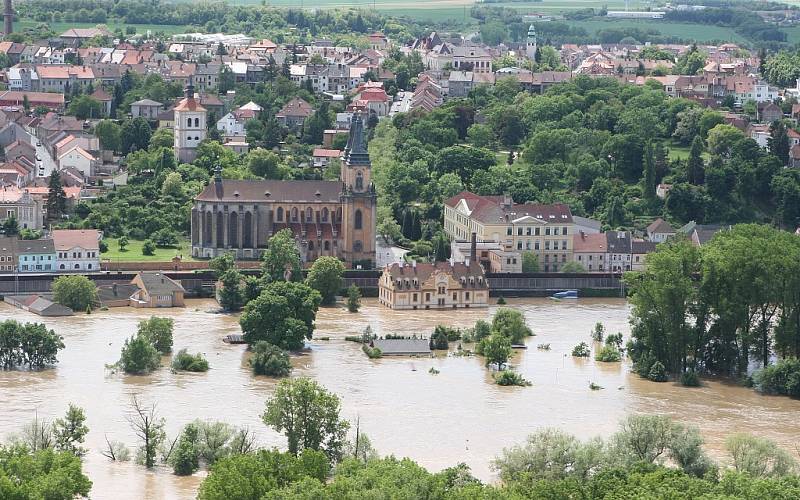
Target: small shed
point(403, 347)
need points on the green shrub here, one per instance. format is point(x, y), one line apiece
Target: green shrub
point(614, 340)
point(433, 371)
point(595, 387)
point(781, 378)
point(690, 379)
point(608, 354)
point(543, 347)
point(508, 377)
point(353, 338)
point(139, 356)
point(183, 361)
point(148, 247)
point(581, 350)
point(657, 372)
point(371, 352)
point(439, 339)
point(501, 301)
point(270, 360)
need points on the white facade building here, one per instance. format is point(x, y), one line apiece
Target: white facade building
point(77, 249)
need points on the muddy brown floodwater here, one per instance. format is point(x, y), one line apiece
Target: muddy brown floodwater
point(439, 420)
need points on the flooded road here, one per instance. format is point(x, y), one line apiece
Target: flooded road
point(438, 420)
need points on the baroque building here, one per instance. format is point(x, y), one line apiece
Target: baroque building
point(327, 218)
point(190, 126)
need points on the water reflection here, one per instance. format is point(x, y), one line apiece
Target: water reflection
point(439, 420)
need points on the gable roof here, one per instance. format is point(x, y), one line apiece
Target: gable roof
point(296, 107)
point(589, 243)
point(271, 190)
point(157, 283)
point(660, 226)
point(400, 347)
point(35, 246)
point(66, 239)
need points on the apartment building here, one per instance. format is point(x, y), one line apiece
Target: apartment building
point(545, 230)
point(441, 285)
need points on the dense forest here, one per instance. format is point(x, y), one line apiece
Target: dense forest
point(596, 144)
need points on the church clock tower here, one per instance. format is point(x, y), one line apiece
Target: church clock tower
point(359, 200)
point(190, 127)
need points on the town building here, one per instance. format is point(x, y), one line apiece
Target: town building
point(294, 114)
point(659, 230)
point(322, 157)
point(8, 253)
point(35, 256)
point(38, 305)
point(545, 230)
point(19, 204)
point(146, 108)
point(155, 289)
point(332, 218)
point(190, 127)
point(440, 285)
point(77, 249)
point(590, 251)
point(491, 255)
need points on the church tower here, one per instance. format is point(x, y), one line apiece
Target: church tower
point(190, 126)
point(359, 200)
point(530, 44)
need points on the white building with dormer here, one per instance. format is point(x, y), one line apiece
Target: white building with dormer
point(190, 126)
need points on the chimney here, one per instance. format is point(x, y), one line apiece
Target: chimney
point(507, 200)
point(473, 247)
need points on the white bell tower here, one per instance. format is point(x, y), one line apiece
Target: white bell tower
point(190, 127)
point(530, 44)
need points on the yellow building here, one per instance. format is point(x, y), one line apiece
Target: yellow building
point(433, 286)
point(545, 230)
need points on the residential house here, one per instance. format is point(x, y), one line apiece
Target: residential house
point(700, 234)
point(794, 156)
point(146, 108)
point(294, 114)
point(768, 112)
point(64, 78)
point(156, 290)
point(460, 83)
point(759, 132)
point(77, 249)
point(23, 78)
point(440, 285)
point(321, 157)
point(373, 98)
point(8, 253)
point(230, 126)
point(238, 146)
point(545, 230)
point(402, 347)
point(105, 100)
point(13, 50)
point(38, 305)
point(639, 251)
point(428, 94)
point(619, 251)
point(36, 256)
point(590, 251)
point(659, 230)
point(166, 119)
point(75, 37)
point(490, 254)
point(116, 294)
point(19, 204)
point(79, 159)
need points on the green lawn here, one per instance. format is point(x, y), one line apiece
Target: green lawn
point(133, 252)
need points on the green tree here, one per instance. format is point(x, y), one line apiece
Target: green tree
point(41, 474)
point(173, 185)
point(30, 344)
point(265, 164)
point(56, 198)
point(759, 457)
point(85, 107)
point(283, 315)
point(353, 298)
point(530, 262)
point(511, 324)
point(139, 357)
point(326, 277)
point(74, 291)
point(183, 361)
point(109, 133)
point(122, 242)
point(270, 360)
point(496, 349)
point(257, 475)
point(70, 431)
point(281, 256)
point(778, 141)
point(148, 247)
point(158, 331)
point(308, 415)
point(185, 457)
point(695, 168)
point(649, 179)
point(231, 297)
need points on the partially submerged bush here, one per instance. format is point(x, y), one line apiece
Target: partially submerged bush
point(270, 360)
point(508, 377)
point(183, 361)
point(581, 350)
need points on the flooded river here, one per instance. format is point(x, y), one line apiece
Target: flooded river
point(438, 420)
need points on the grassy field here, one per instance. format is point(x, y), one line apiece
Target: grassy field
point(697, 32)
point(133, 252)
point(140, 28)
